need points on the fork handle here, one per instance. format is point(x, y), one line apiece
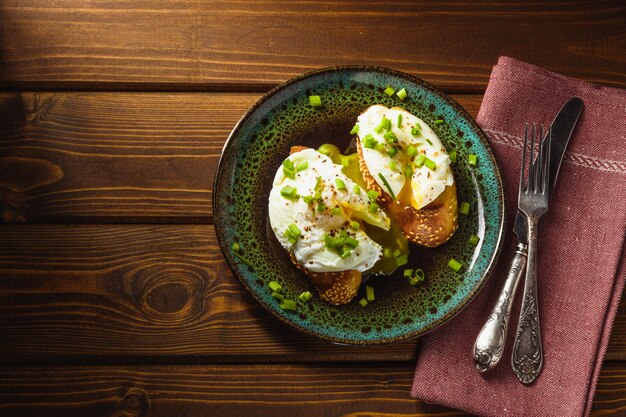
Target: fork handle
point(527, 358)
point(490, 342)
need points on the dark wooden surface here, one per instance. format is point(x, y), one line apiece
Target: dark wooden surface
point(114, 297)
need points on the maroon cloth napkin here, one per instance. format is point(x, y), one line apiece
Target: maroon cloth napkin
point(581, 246)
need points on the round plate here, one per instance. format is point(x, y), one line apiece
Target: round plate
point(284, 118)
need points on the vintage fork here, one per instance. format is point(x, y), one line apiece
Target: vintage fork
point(527, 358)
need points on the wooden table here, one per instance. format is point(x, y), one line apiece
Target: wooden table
point(114, 297)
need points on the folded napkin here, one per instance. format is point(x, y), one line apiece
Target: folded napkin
point(581, 246)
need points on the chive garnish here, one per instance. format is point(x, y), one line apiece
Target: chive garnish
point(393, 165)
point(380, 147)
point(373, 207)
point(275, 286)
point(372, 195)
point(243, 259)
point(389, 91)
point(315, 101)
point(289, 192)
point(369, 141)
point(354, 225)
point(399, 120)
point(278, 296)
point(429, 142)
point(472, 160)
point(392, 151)
point(356, 189)
point(397, 252)
point(340, 184)
point(408, 170)
point(464, 208)
point(387, 123)
point(369, 293)
point(351, 242)
point(473, 240)
point(419, 162)
point(321, 206)
point(402, 94)
point(411, 151)
point(390, 137)
point(417, 278)
point(381, 125)
point(345, 253)
point(308, 199)
point(452, 157)
point(355, 129)
point(305, 296)
point(363, 302)
point(236, 247)
point(382, 177)
point(288, 305)
point(387, 253)
point(408, 273)
point(415, 131)
point(455, 265)
point(430, 164)
point(438, 121)
point(294, 229)
point(336, 211)
point(302, 165)
point(402, 260)
point(288, 163)
point(289, 173)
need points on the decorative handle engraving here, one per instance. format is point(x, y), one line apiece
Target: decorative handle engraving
point(527, 358)
point(491, 339)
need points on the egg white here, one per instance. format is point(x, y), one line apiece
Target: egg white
point(310, 249)
point(426, 184)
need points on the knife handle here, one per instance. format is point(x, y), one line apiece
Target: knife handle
point(490, 341)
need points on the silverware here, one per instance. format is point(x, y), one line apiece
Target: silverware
point(527, 359)
point(490, 342)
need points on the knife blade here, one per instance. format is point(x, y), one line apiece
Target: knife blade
point(562, 127)
point(490, 341)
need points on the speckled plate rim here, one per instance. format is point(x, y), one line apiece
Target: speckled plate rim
point(472, 124)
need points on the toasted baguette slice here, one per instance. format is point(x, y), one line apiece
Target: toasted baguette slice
point(430, 226)
point(333, 287)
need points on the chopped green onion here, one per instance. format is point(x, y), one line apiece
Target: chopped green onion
point(346, 253)
point(387, 253)
point(464, 208)
point(351, 242)
point(414, 281)
point(408, 273)
point(288, 305)
point(290, 237)
point(354, 225)
point(288, 163)
point(355, 129)
point(454, 264)
point(290, 173)
point(369, 293)
point(390, 137)
point(336, 211)
point(340, 184)
point(473, 240)
point(278, 296)
point(363, 302)
point(356, 189)
point(294, 229)
point(308, 199)
point(321, 206)
point(397, 252)
point(392, 165)
point(302, 165)
point(369, 141)
point(415, 131)
point(411, 151)
point(420, 274)
point(236, 247)
point(392, 151)
point(438, 121)
point(408, 170)
point(315, 101)
point(418, 277)
point(305, 296)
point(399, 120)
point(373, 207)
point(289, 192)
point(380, 147)
point(430, 164)
point(453, 157)
point(429, 142)
point(382, 177)
point(275, 286)
point(381, 125)
point(389, 91)
point(372, 195)
point(402, 260)
point(387, 123)
point(472, 160)
point(345, 161)
point(244, 259)
point(402, 94)
point(419, 162)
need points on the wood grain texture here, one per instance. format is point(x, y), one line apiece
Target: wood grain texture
point(362, 390)
point(253, 45)
point(118, 293)
point(117, 157)
point(111, 293)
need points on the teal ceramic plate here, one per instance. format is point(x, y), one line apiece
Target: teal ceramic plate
point(283, 118)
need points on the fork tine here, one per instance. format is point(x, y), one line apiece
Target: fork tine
point(523, 167)
point(546, 171)
point(530, 184)
point(538, 178)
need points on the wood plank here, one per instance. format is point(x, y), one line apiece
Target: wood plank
point(126, 292)
point(241, 45)
point(111, 293)
point(117, 157)
point(377, 390)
